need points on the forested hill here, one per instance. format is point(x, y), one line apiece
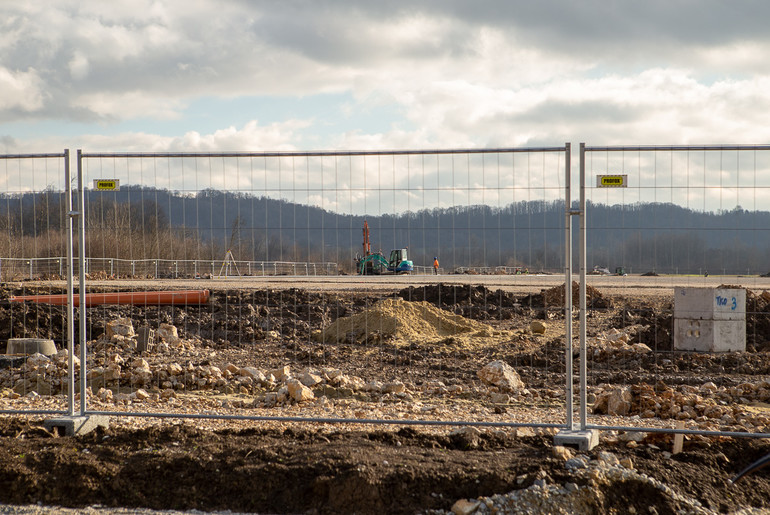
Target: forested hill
point(641, 237)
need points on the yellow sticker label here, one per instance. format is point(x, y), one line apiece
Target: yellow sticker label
point(106, 184)
point(612, 181)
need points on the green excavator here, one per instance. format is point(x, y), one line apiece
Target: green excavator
point(375, 263)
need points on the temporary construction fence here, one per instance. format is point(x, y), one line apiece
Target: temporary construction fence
point(35, 268)
point(36, 215)
point(499, 218)
point(694, 220)
point(490, 208)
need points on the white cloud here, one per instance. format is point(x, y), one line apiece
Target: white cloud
point(20, 90)
point(498, 74)
point(252, 136)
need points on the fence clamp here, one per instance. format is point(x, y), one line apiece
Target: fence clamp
point(574, 212)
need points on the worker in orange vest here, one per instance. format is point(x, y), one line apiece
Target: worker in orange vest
point(435, 266)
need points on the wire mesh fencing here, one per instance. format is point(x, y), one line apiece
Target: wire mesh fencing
point(433, 310)
point(677, 289)
point(34, 368)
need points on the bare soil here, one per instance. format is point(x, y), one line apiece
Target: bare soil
point(304, 471)
point(322, 468)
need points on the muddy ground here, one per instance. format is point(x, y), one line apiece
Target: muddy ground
point(301, 471)
point(303, 468)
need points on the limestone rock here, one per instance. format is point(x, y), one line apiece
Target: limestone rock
point(281, 374)
point(119, 327)
point(310, 379)
point(112, 372)
point(140, 365)
point(538, 327)
point(619, 401)
point(500, 374)
point(167, 333)
point(254, 373)
point(174, 369)
point(561, 452)
point(465, 507)
point(298, 391)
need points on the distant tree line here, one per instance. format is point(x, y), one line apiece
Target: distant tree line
point(139, 223)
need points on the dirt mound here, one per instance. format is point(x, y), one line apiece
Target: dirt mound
point(452, 294)
point(399, 319)
point(475, 302)
point(554, 297)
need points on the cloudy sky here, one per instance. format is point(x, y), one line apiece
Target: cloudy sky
point(200, 75)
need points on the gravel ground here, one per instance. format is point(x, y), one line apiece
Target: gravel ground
point(247, 353)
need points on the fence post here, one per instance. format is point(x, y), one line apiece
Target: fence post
point(583, 266)
point(82, 278)
point(70, 292)
point(568, 289)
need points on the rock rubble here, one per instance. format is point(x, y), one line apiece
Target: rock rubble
point(588, 491)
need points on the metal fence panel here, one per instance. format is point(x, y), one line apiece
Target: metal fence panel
point(687, 217)
point(313, 346)
point(34, 360)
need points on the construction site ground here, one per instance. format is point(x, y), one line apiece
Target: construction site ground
point(411, 349)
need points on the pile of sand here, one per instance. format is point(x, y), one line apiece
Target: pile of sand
point(402, 320)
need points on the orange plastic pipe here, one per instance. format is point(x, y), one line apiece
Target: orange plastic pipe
point(134, 298)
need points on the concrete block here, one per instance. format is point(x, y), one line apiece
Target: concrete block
point(580, 440)
point(145, 339)
point(76, 425)
point(21, 346)
point(710, 319)
point(710, 335)
point(709, 303)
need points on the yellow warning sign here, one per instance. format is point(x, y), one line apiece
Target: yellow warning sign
point(107, 184)
point(612, 181)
